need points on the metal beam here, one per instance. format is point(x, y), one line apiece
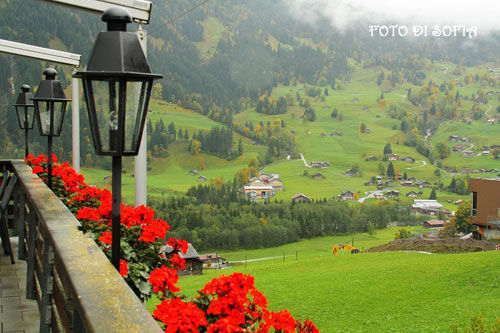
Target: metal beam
point(140, 10)
point(40, 53)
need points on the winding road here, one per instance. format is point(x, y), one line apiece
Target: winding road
point(424, 163)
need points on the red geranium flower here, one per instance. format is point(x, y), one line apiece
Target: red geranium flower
point(123, 268)
point(179, 316)
point(164, 278)
point(106, 237)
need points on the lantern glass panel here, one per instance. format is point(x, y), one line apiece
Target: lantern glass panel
point(135, 116)
point(30, 112)
point(50, 116)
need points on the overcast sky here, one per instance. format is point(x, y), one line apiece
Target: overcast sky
point(344, 13)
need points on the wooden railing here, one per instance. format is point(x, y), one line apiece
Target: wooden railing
point(75, 285)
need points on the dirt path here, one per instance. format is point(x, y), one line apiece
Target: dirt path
point(303, 159)
point(424, 163)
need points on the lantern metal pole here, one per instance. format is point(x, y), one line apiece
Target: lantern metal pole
point(75, 123)
point(140, 175)
point(49, 167)
point(115, 210)
point(26, 129)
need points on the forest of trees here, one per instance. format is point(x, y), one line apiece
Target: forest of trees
point(271, 106)
point(218, 141)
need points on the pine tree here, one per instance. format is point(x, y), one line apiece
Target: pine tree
point(390, 170)
point(240, 147)
point(387, 149)
point(433, 195)
point(186, 135)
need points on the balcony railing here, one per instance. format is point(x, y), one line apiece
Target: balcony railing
point(75, 285)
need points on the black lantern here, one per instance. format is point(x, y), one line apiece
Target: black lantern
point(117, 85)
point(25, 111)
point(50, 106)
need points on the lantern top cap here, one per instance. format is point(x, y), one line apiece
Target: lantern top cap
point(25, 88)
point(117, 18)
point(50, 73)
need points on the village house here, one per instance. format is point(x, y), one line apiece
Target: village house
point(412, 179)
point(458, 202)
point(276, 183)
point(392, 157)
point(485, 207)
point(347, 195)
point(317, 175)
point(213, 260)
point(379, 195)
point(453, 138)
point(459, 148)
point(407, 183)
point(434, 224)
point(368, 130)
point(258, 192)
point(202, 179)
point(422, 184)
point(350, 172)
point(408, 159)
point(193, 265)
point(193, 172)
point(468, 153)
point(320, 164)
point(426, 207)
point(335, 134)
point(412, 194)
point(323, 134)
point(392, 194)
point(255, 181)
point(299, 197)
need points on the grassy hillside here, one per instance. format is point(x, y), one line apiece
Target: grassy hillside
point(357, 101)
point(370, 292)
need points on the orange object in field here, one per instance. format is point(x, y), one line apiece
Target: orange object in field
point(336, 248)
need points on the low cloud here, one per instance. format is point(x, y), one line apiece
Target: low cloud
point(345, 14)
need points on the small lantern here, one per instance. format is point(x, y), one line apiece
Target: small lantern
point(25, 109)
point(50, 104)
point(117, 85)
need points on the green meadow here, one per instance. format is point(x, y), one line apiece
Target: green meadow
point(368, 292)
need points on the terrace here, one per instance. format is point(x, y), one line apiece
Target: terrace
point(61, 280)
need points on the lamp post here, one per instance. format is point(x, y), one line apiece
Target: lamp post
point(50, 106)
point(25, 112)
point(117, 85)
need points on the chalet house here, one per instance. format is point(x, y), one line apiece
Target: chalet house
point(453, 138)
point(264, 175)
point(276, 183)
point(468, 153)
point(347, 195)
point(485, 207)
point(407, 183)
point(378, 195)
point(408, 159)
point(258, 192)
point(299, 197)
point(350, 172)
point(412, 194)
point(434, 224)
point(193, 172)
point(317, 175)
point(194, 265)
point(392, 157)
point(368, 130)
point(379, 178)
point(422, 184)
point(255, 181)
point(335, 134)
point(459, 148)
point(372, 158)
point(426, 207)
point(468, 140)
point(486, 153)
point(202, 179)
point(321, 164)
point(392, 194)
point(213, 260)
point(323, 134)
